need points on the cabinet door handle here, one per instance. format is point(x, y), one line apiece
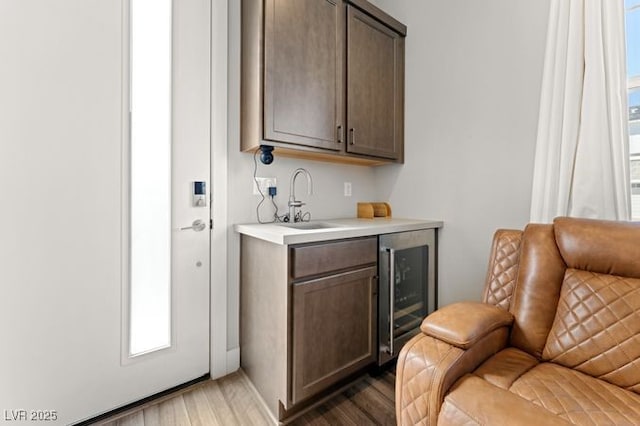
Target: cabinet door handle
point(339, 134)
point(352, 132)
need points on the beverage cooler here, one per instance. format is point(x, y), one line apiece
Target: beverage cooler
point(407, 287)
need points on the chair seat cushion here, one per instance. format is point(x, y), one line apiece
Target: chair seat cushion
point(517, 379)
point(506, 367)
point(473, 401)
point(577, 397)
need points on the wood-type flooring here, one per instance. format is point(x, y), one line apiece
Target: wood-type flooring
point(232, 400)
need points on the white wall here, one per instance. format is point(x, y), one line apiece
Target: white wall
point(326, 202)
point(473, 77)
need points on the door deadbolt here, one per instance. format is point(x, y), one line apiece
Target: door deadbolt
point(199, 196)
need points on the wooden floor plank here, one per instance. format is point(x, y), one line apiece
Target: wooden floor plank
point(372, 402)
point(218, 404)
point(152, 415)
point(312, 418)
point(199, 409)
point(342, 411)
point(241, 400)
point(174, 413)
point(384, 383)
point(135, 419)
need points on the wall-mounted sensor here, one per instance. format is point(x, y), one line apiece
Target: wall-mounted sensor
point(199, 194)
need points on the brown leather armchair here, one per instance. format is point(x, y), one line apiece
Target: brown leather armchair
point(555, 341)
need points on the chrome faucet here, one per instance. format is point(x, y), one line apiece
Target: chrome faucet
point(293, 203)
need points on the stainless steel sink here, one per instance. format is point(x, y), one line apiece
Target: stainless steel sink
point(310, 225)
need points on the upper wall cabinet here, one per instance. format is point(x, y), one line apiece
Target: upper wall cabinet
point(375, 87)
point(322, 79)
point(303, 72)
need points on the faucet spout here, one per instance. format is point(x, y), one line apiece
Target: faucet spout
point(293, 203)
point(292, 183)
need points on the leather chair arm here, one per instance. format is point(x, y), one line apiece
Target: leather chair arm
point(463, 324)
point(428, 366)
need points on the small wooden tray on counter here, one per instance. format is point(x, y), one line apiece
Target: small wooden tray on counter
point(371, 210)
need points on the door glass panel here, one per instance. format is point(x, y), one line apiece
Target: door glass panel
point(411, 266)
point(150, 285)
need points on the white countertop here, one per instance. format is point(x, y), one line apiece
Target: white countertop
point(340, 228)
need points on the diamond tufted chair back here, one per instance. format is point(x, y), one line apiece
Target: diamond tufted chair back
point(503, 267)
point(574, 291)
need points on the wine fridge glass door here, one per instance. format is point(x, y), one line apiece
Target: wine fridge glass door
point(407, 292)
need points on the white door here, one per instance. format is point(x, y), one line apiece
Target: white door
point(65, 218)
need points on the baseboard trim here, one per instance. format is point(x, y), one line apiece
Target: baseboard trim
point(233, 360)
point(257, 395)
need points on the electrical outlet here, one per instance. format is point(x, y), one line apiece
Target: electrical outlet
point(347, 189)
point(265, 183)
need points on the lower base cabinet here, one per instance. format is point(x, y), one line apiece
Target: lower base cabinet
point(333, 330)
point(308, 317)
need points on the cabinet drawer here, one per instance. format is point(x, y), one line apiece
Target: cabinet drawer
point(319, 259)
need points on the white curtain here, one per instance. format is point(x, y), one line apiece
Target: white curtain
point(582, 153)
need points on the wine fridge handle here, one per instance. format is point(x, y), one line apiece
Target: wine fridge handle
point(392, 296)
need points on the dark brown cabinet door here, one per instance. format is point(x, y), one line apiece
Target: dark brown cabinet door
point(304, 77)
point(333, 329)
point(375, 87)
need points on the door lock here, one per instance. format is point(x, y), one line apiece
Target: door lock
point(199, 194)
